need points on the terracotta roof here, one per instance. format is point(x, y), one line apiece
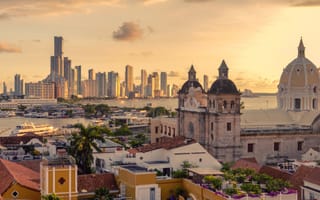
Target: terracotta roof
point(91, 182)
point(314, 176)
point(12, 172)
point(16, 140)
point(249, 163)
point(31, 164)
point(275, 172)
point(297, 178)
point(165, 143)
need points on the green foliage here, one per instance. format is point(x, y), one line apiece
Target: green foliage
point(180, 173)
point(230, 191)
point(180, 192)
point(138, 140)
point(275, 185)
point(123, 131)
point(102, 194)
point(215, 181)
point(157, 111)
point(50, 197)
point(226, 166)
point(251, 188)
point(82, 145)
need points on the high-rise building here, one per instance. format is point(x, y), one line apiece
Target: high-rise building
point(169, 91)
point(5, 90)
point(89, 88)
point(78, 81)
point(150, 86)
point(156, 90)
point(163, 77)
point(18, 85)
point(129, 79)
point(41, 90)
point(143, 84)
point(113, 84)
point(205, 82)
point(101, 81)
point(57, 62)
point(91, 74)
point(68, 73)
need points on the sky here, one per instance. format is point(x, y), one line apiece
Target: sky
point(256, 38)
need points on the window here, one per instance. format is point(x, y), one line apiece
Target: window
point(211, 126)
point(232, 104)
point(250, 148)
point(229, 126)
point(200, 159)
point(314, 103)
point(299, 146)
point(297, 104)
point(224, 104)
point(276, 146)
point(15, 194)
point(213, 103)
point(157, 140)
point(156, 129)
point(152, 194)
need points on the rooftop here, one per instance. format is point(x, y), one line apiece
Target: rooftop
point(58, 160)
point(90, 182)
point(134, 168)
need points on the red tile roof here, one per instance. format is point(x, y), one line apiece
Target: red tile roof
point(275, 172)
point(91, 182)
point(16, 140)
point(249, 163)
point(12, 172)
point(166, 143)
point(314, 176)
point(31, 164)
point(297, 178)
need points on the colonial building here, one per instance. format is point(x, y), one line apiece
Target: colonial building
point(215, 120)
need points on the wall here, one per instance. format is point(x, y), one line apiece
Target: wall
point(24, 193)
point(168, 187)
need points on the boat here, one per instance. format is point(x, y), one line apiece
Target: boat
point(27, 128)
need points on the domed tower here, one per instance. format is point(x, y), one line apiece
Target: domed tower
point(298, 89)
point(191, 108)
point(223, 122)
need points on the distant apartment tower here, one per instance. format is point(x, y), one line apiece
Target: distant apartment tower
point(5, 90)
point(113, 84)
point(40, 90)
point(156, 90)
point(143, 84)
point(78, 79)
point(163, 78)
point(169, 91)
point(129, 79)
point(150, 86)
point(57, 62)
point(89, 88)
point(91, 74)
point(18, 85)
point(68, 73)
point(101, 81)
point(205, 82)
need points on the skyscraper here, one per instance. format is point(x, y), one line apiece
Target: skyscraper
point(91, 74)
point(101, 81)
point(57, 62)
point(143, 84)
point(5, 91)
point(67, 73)
point(156, 89)
point(163, 78)
point(205, 82)
point(18, 85)
point(129, 79)
point(113, 84)
point(78, 82)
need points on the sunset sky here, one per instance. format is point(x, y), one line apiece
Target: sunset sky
point(257, 38)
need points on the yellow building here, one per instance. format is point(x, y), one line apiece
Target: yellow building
point(59, 176)
point(18, 182)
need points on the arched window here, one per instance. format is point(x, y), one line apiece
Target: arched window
point(211, 126)
point(314, 103)
point(232, 105)
point(224, 104)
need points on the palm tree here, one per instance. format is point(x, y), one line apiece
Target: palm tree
point(82, 145)
point(102, 194)
point(50, 197)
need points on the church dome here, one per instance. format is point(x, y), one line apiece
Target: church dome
point(300, 72)
point(191, 82)
point(223, 85)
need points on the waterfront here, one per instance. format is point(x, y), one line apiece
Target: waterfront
point(7, 124)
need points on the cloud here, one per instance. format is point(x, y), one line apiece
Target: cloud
point(22, 8)
point(173, 74)
point(306, 3)
point(9, 48)
point(197, 1)
point(128, 31)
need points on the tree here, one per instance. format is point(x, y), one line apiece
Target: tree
point(158, 111)
point(138, 140)
point(102, 194)
point(50, 197)
point(123, 130)
point(82, 145)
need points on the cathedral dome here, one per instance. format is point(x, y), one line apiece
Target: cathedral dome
point(223, 85)
point(191, 82)
point(299, 73)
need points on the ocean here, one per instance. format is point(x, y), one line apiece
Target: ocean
point(8, 124)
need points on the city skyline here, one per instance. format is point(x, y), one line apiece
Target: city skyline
point(159, 35)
